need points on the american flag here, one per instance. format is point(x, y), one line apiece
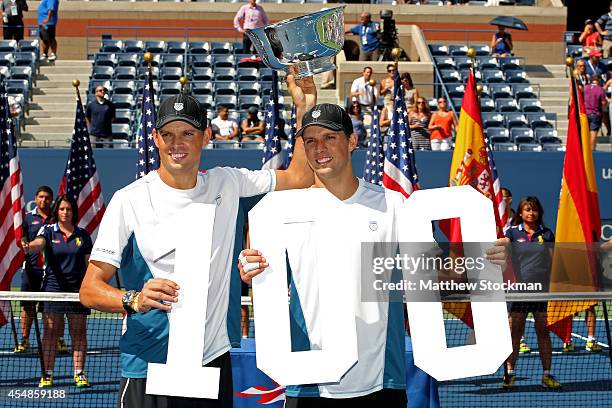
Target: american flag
point(80, 179)
point(148, 155)
point(374, 156)
point(272, 157)
point(11, 202)
point(291, 137)
point(400, 172)
point(498, 197)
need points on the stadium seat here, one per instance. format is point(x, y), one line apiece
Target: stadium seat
point(8, 46)
point(498, 134)
point(538, 120)
point(97, 82)
point(487, 63)
point(433, 105)
point(225, 88)
point(504, 147)
point(202, 88)
point(143, 72)
point(124, 87)
point(481, 49)
point(500, 91)
point(487, 105)
point(530, 105)
point(103, 59)
point(102, 72)
point(135, 46)
point(29, 46)
point(125, 73)
point(521, 135)
point(201, 74)
point(462, 62)
point(506, 105)
point(265, 75)
point(155, 62)
point(525, 2)
point(21, 73)
point(237, 47)
point(245, 102)
point(507, 63)
point(171, 74)
point(521, 91)
point(176, 47)
point(221, 48)
point(516, 76)
point(445, 62)
point(247, 74)
point(450, 75)
point(515, 119)
point(457, 50)
point(199, 47)
point(123, 116)
point(226, 144)
point(493, 76)
point(553, 147)
point(206, 100)
point(156, 47)
point(111, 46)
point(128, 60)
point(249, 88)
point(547, 135)
point(140, 88)
point(121, 131)
point(201, 61)
point(225, 74)
point(465, 73)
point(252, 145)
point(573, 51)
point(456, 102)
point(455, 90)
point(172, 60)
point(170, 88)
point(26, 58)
point(224, 61)
point(492, 119)
point(231, 101)
point(123, 101)
point(529, 147)
point(485, 91)
point(18, 86)
point(438, 49)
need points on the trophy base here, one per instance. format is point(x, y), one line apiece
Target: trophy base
point(313, 67)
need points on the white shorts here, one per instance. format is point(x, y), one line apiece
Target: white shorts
point(441, 144)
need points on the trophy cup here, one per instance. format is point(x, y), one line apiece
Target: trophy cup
point(309, 41)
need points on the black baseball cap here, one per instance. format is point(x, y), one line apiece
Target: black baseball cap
point(329, 116)
point(181, 107)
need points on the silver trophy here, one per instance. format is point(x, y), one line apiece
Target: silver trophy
point(309, 41)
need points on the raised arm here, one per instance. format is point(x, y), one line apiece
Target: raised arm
point(34, 246)
point(299, 174)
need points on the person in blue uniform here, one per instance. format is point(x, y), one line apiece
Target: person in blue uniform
point(501, 43)
point(66, 252)
point(531, 262)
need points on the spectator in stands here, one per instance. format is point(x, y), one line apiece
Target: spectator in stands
point(589, 38)
point(604, 27)
point(531, 263)
point(357, 120)
point(386, 115)
point(419, 119)
point(361, 90)
point(12, 19)
point(16, 110)
point(252, 127)
point(507, 197)
point(580, 73)
point(249, 16)
point(66, 250)
point(411, 94)
point(501, 43)
point(441, 126)
point(223, 127)
point(368, 32)
point(47, 21)
point(100, 115)
point(594, 64)
point(595, 102)
point(387, 84)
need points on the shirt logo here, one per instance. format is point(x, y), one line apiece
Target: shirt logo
point(178, 106)
point(373, 225)
point(35, 222)
point(56, 241)
point(316, 114)
point(78, 242)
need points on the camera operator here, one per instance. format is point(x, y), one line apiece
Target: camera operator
point(368, 31)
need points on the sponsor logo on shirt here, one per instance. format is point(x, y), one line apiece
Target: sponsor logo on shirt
point(105, 251)
point(35, 222)
point(373, 225)
point(56, 241)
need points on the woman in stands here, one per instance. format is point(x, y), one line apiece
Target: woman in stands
point(419, 118)
point(387, 85)
point(441, 126)
point(357, 119)
point(66, 252)
point(411, 94)
point(501, 43)
point(386, 115)
point(580, 74)
point(532, 259)
point(590, 38)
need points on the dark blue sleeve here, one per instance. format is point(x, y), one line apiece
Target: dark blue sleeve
point(355, 30)
point(509, 234)
point(549, 236)
point(87, 243)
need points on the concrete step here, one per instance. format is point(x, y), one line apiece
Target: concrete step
point(59, 98)
point(49, 120)
point(63, 130)
point(547, 93)
point(51, 107)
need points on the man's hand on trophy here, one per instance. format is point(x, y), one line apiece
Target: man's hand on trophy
point(250, 264)
point(303, 91)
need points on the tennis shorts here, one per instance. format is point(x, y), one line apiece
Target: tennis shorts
point(132, 392)
point(386, 398)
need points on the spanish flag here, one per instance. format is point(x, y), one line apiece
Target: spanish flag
point(574, 267)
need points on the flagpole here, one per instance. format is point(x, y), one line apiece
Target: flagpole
point(183, 82)
point(569, 66)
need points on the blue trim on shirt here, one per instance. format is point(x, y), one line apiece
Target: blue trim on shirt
point(394, 375)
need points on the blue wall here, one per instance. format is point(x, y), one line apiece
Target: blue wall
point(524, 173)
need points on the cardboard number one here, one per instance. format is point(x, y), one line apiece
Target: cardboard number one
point(491, 329)
point(183, 374)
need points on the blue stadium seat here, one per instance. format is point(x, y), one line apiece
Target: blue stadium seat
point(201, 60)
point(225, 74)
point(125, 73)
point(249, 88)
point(500, 91)
point(455, 90)
point(142, 72)
point(170, 88)
point(521, 91)
point(507, 63)
point(481, 49)
point(221, 48)
point(462, 62)
point(487, 62)
point(226, 144)
point(123, 116)
point(506, 105)
point(529, 147)
point(103, 59)
point(26, 58)
point(465, 73)
point(123, 101)
point(199, 47)
point(206, 101)
point(18, 86)
point(8, 46)
point(202, 88)
point(172, 60)
point(573, 51)
point(516, 119)
point(450, 75)
point(102, 72)
point(247, 74)
point(111, 46)
point(245, 102)
point(124, 87)
point(457, 50)
point(456, 102)
point(538, 120)
point(516, 76)
point(201, 74)
point(121, 131)
point(547, 135)
point(445, 62)
point(171, 74)
point(155, 62)
point(29, 46)
point(237, 47)
point(176, 47)
point(225, 88)
point(438, 49)
point(135, 46)
point(493, 76)
point(487, 105)
point(530, 105)
point(504, 147)
point(492, 119)
point(498, 134)
point(522, 135)
point(128, 59)
point(265, 75)
point(17, 72)
point(251, 145)
point(156, 47)
point(231, 101)
point(224, 61)
point(553, 147)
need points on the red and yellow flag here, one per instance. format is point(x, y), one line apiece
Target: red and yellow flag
point(578, 218)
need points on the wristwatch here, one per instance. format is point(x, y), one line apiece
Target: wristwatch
point(128, 301)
